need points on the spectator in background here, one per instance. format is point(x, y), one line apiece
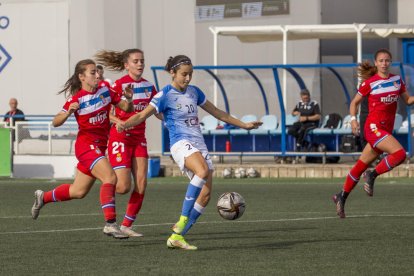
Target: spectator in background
point(13, 115)
point(102, 81)
point(309, 115)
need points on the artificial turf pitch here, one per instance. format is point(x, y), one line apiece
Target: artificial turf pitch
point(289, 227)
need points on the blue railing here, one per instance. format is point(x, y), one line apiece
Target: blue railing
point(277, 82)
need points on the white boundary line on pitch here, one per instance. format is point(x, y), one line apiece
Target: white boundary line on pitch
point(205, 222)
point(52, 216)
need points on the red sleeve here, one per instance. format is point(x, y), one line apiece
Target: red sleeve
point(68, 103)
point(117, 87)
point(154, 92)
point(364, 89)
point(403, 88)
point(115, 97)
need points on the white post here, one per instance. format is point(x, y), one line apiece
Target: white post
point(49, 129)
point(215, 63)
point(358, 29)
point(284, 81)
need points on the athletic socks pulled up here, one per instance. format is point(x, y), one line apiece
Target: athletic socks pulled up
point(60, 193)
point(193, 191)
point(134, 205)
point(353, 176)
point(107, 198)
point(195, 213)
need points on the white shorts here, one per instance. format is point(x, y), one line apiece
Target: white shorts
point(184, 148)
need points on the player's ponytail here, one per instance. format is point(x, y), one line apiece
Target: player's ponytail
point(114, 60)
point(366, 69)
point(174, 63)
point(73, 84)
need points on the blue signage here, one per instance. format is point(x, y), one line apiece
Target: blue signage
point(4, 55)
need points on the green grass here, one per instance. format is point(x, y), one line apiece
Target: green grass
point(289, 227)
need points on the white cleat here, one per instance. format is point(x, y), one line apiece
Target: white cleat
point(131, 233)
point(38, 203)
point(112, 229)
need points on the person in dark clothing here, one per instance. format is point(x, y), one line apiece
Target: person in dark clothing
point(363, 114)
point(309, 115)
point(13, 115)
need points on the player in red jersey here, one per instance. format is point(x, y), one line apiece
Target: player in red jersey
point(102, 81)
point(127, 151)
point(383, 90)
point(91, 106)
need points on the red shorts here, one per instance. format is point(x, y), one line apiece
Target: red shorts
point(120, 154)
point(374, 134)
point(88, 155)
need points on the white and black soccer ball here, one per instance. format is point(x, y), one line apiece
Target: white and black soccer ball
point(240, 173)
point(231, 205)
point(251, 173)
point(228, 173)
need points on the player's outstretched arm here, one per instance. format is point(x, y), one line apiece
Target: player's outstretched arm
point(227, 118)
point(62, 116)
point(137, 118)
point(409, 100)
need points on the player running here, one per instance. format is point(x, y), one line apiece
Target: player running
point(127, 151)
point(383, 90)
point(179, 103)
point(91, 106)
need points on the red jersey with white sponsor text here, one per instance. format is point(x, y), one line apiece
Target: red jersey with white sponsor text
point(93, 114)
point(143, 93)
point(383, 95)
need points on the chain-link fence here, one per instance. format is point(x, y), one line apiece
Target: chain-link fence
point(36, 137)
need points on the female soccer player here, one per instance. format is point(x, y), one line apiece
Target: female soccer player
point(127, 151)
point(91, 106)
point(178, 102)
point(383, 90)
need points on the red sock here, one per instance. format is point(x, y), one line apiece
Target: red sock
point(107, 197)
point(60, 193)
point(390, 161)
point(134, 205)
point(353, 176)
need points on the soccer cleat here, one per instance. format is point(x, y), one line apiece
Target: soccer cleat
point(180, 225)
point(176, 241)
point(339, 200)
point(369, 183)
point(128, 231)
point(38, 203)
point(112, 229)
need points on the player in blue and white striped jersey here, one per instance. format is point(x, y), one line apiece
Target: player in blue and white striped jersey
point(179, 103)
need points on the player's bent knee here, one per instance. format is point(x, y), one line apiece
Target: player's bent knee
point(79, 194)
point(122, 189)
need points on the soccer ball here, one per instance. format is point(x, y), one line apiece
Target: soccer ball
point(251, 173)
point(228, 173)
point(231, 205)
point(240, 173)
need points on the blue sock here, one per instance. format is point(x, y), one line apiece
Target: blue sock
point(194, 215)
point(193, 190)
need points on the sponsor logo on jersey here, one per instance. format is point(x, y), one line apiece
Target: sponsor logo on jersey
point(389, 99)
point(140, 106)
point(147, 92)
point(98, 118)
point(192, 121)
point(396, 84)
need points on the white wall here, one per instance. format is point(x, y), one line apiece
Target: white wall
point(37, 40)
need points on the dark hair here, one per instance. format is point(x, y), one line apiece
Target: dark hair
point(100, 67)
point(73, 84)
point(114, 60)
point(305, 92)
point(366, 69)
point(174, 63)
